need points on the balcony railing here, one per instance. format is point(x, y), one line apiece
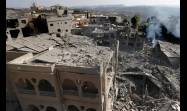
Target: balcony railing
point(47, 93)
point(90, 95)
point(24, 91)
point(70, 92)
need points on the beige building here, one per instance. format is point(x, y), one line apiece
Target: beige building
point(76, 76)
point(19, 47)
point(60, 25)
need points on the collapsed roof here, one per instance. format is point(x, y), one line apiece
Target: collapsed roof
point(75, 56)
point(71, 51)
point(35, 44)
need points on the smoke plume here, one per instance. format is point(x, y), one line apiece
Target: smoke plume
point(170, 18)
point(163, 16)
point(153, 30)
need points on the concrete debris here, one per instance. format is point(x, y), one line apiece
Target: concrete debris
point(73, 50)
point(75, 56)
point(151, 85)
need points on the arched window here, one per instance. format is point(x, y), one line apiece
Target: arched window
point(25, 87)
point(91, 109)
point(49, 108)
point(69, 87)
point(32, 108)
point(46, 88)
point(72, 108)
point(89, 89)
point(29, 85)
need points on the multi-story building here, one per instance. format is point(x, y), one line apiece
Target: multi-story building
point(20, 47)
point(75, 76)
point(59, 25)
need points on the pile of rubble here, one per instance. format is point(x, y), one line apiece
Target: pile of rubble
point(146, 82)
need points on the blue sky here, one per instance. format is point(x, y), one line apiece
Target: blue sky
point(27, 3)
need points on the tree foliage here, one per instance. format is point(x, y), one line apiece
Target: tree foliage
point(135, 21)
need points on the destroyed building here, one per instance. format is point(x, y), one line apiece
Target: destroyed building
point(59, 71)
point(104, 37)
point(101, 19)
point(57, 22)
point(20, 47)
point(81, 18)
point(35, 44)
point(131, 40)
point(97, 19)
point(44, 80)
point(172, 52)
point(14, 27)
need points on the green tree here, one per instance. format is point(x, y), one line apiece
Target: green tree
point(135, 21)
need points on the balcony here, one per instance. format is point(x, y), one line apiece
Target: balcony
point(89, 95)
point(70, 92)
point(47, 93)
point(26, 91)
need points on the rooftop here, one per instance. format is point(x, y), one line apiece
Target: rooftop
point(56, 18)
point(43, 42)
point(170, 49)
point(74, 56)
point(68, 51)
point(33, 44)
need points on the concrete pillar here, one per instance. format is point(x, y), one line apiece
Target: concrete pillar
point(8, 35)
point(78, 83)
point(37, 90)
point(80, 90)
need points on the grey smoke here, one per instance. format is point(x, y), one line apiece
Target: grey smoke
point(170, 18)
point(153, 30)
